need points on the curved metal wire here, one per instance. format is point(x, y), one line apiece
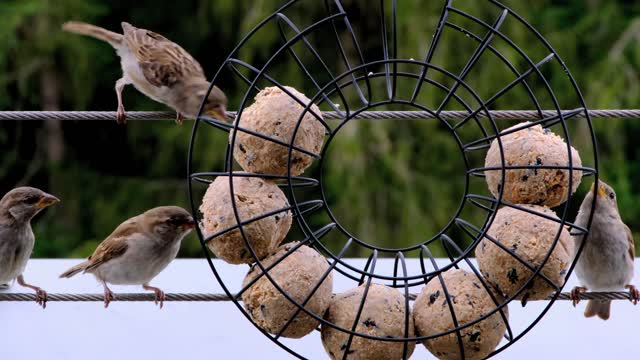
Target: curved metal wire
point(356, 75)
point(407, 309)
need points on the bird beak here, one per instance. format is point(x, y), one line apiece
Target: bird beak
point(47, 200)
point(218, 113)
point(188, 225)
point(602, 192)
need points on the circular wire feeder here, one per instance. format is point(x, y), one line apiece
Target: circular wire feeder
point(346, 79)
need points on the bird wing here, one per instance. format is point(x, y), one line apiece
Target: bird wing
point(162, 61)
point(114, 245)
point(632, 247)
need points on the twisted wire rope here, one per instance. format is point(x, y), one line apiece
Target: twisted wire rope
point(330, 115)
point(205, 297)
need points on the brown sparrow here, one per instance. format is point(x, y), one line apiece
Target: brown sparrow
point(606, 261)
point(17, 208)
point(158, 68)
point(138, 250)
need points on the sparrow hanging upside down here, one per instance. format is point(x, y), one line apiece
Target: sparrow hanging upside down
point(17, 208)
point(606, 262)
point(158, 68)
point(138, 250)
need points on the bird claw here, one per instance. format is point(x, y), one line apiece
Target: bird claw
point(575, 294)
point(634, 294)
point(160, 296)
point(41, 297)
point(179, 118)
point(121, 116)
point(108, 297)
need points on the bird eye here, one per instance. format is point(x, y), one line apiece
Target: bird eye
point(173, 221)
point(31, 200)
point(612, 196)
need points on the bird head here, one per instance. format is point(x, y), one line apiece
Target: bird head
point(216, 104)
point(24, 203)
point(605, 193)
point(170, 223)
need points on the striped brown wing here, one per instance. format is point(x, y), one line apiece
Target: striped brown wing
point(113, 246)
point(163, 62)
point(632, 247)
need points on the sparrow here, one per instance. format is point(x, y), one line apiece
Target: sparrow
point(606, 261)
point(138, 250)
point(17, 208)
point(158, 68)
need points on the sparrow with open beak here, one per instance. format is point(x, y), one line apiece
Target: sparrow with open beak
point(158, 68)
point(606, 261)
point(138, 250)
point(17, 208)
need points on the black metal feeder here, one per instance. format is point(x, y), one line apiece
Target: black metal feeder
point(346, 77)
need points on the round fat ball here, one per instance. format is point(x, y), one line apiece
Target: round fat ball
point(297, 275)
point(275, 114)
point(470, 300)
point(383, 315)
point(530, 237)
point(532, 146)
point(254, 197)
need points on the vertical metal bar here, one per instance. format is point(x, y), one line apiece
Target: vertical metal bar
point(449, 301)
point(432, 48)
point(372, 262)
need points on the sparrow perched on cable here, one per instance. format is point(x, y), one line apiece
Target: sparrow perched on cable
point(138, 250)
point(606, 261)
point(158, 68)
point(17, 208)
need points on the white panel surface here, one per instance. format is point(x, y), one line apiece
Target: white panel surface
point(219, 331)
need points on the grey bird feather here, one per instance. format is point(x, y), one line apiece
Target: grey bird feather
point(17, 208)
point(158, 68)
point(138, 250)
point(606, 261)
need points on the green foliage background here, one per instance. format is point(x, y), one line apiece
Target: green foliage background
point(394, 184)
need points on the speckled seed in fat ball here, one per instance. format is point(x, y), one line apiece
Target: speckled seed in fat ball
point(530, 147)
point(383, 315)
point(253, 197)
point(275, 114)
point(470, 302)
point(530, 237)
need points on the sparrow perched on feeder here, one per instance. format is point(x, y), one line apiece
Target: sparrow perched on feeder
point(17, 208)
point(138, 250)
point(606, 261)
point(158, 68)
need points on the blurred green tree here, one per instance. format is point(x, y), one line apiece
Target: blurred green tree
point(394, 183)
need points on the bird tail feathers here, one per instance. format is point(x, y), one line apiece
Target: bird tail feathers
point(601, 308)
point(75, 270)
point(97, 32)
